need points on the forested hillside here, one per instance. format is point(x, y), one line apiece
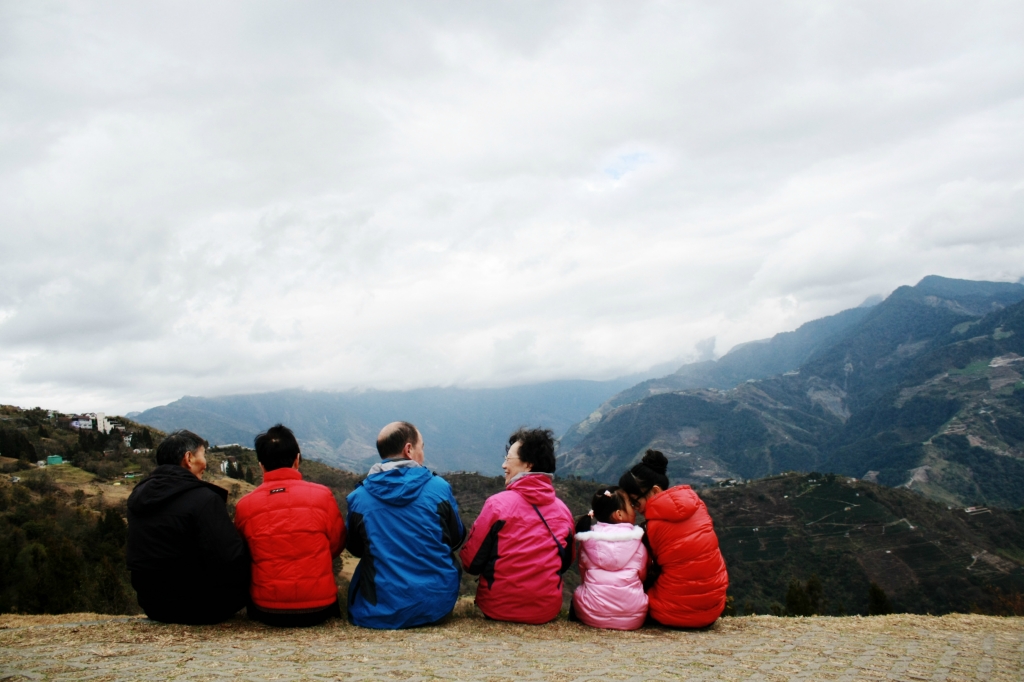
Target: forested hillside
point(794, 544)
point(925, 391)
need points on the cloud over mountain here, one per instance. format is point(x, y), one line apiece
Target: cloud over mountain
point(210, 198)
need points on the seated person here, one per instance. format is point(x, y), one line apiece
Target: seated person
point(294, 531)
point(521, 543)
point(403, 523)
point(690, 579)
point(188, 563)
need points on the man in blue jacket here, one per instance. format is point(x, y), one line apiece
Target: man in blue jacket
point(403, 524)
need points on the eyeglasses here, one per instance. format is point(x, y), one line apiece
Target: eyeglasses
point(507, 448)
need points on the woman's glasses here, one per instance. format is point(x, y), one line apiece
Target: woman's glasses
point(507, 456)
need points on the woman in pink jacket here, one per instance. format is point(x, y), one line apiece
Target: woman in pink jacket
point(613, 564)
point(521, 543)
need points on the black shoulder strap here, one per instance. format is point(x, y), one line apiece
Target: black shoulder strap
point(563, 550)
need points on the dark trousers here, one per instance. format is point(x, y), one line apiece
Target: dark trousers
point(293, 619)
point(167, 598)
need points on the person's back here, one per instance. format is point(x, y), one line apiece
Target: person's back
point(294, 530)
point(403, 523)
point(691, 586)
point(188, 563)
point(521, 543)
point(613, 564)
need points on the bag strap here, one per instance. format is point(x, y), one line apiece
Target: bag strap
point(564, 552)
point(553, 536)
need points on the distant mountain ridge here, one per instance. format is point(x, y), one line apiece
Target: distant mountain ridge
point(753, 360)
point(464, 429)
point(923, 390)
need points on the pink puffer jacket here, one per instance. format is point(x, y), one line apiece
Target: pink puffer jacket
point(516, 556)
point(613, 565)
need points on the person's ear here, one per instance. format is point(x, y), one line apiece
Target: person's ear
point(619, 516)
point(298, 458)
point(655, 490)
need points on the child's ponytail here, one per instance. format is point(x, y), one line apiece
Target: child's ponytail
point(584, 523)
point(606, 501)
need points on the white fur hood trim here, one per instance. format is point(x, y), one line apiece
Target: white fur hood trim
point(634, 533)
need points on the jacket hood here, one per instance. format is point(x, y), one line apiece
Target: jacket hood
point(165, 483)
point(675, 504)
point(610, 546)
point(398, 486)
point(535, 488)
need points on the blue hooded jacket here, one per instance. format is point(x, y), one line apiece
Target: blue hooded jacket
point(403, 524)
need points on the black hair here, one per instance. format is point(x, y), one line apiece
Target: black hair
point(276, 448)
point(536, 447)
point(650, 472)
point(172, 449)
point(392, 444)
point(606, 501)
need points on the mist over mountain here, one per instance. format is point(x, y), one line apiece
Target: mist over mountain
point(463, 429)
point(752, 360)
point(923, 390)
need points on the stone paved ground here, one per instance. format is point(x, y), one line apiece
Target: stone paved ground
point(901, 647)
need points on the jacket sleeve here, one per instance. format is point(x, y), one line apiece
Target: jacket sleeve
point(355, 536)
point(480, 531)
point(218, 536)
point(453, 532)
point(336, 525)
point(652, 568)
point(569, 555)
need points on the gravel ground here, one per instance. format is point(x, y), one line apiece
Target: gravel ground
point(899, 647)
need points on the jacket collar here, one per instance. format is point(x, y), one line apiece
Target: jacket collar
point(524, 474)
point(282, 474)
point(392, 463)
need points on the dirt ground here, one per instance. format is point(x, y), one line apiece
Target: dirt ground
point(899, 647)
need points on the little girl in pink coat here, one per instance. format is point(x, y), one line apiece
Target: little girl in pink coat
point(613, 564)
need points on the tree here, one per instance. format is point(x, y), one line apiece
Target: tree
point(815, 594)
point(797, 601)
point(878, 602)
point(15, 444)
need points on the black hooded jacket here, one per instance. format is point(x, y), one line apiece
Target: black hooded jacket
point(188, 563)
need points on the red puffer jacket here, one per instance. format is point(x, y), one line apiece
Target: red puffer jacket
point(294, 530)
point(690, 590)
point(518, 561)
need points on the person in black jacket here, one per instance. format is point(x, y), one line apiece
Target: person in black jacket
point(188, 563)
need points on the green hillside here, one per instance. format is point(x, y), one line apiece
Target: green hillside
point(924, 392)
point(926, 557)
point(62, 531)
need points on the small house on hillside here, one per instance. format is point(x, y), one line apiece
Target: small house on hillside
point(54, 459)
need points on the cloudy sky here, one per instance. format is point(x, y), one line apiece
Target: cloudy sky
point(208, 198)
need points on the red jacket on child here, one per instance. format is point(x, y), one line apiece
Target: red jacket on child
point(690, 590)
point(294, 530)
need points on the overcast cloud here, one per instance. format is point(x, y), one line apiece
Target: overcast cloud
point(203, 198)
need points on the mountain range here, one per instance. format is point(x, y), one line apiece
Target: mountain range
point(922, 390)
point(463, 429)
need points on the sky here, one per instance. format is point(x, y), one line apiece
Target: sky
point(206, 198)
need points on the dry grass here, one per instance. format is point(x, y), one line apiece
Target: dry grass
point(470, 647)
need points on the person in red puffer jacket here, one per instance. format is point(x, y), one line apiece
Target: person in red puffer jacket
point(690, 579)
point(294, 531)
point(522, 542)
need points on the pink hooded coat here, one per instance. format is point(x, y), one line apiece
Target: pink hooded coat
point(613, 564)
point(514, 554)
